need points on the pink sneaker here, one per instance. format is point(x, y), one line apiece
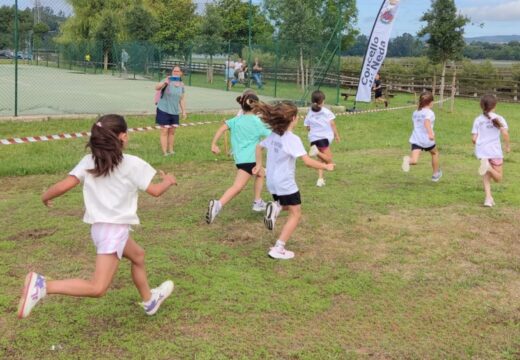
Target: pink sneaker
point(34, 290)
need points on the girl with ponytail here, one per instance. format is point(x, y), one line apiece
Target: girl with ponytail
point(486, 132)
point(246, 131)
point(111, 180)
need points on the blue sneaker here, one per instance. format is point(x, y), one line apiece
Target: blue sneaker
point(159, 294)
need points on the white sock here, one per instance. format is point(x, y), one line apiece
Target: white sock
point(280, 243)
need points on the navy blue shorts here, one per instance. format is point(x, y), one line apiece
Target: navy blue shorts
point(247, 167)
point(417, 147)
point(321, 144)
point(287, 200)
point(163, 118)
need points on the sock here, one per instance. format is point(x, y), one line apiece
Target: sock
point(280, 243)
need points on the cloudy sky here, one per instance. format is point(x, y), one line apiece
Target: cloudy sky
point(499, 17)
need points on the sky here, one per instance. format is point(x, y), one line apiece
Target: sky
point(488, 17)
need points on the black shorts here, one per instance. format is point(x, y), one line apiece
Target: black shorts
point(285, 200)
point(247, 167)
point(321, 144)
point(417, 147)
point(163, 118)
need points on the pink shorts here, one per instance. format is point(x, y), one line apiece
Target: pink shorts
point(496, 162)
point(110, 238)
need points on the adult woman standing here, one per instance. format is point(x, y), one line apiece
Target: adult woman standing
point(169, 107)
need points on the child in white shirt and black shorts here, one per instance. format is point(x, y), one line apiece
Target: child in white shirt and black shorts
point(283, 148)
point(423, 137)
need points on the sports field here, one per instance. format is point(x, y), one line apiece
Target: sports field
point(53, 91)
point(388, 265)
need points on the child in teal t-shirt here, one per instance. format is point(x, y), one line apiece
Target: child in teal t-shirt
point(246, 132)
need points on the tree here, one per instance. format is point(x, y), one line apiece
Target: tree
point(178, 26)
point(210, 40)
point(105, 33)
point(445, 29)
point(405, 45)
point(139, 23)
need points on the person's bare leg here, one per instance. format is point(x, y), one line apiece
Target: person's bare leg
point(435, 160)
point(259, 185)
point(495, 172)
point(240, 182)
point(292, 222)
point(106, 267)
point(171, 139)
point(414, 156)
point(164, 140)
point(486, 179)
point(135, 254)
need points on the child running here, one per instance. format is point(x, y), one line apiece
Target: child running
point(283, 147)
point(423, 137)
point(110, 180)
point(246, 131)
point(486, 132)
point(322, 130)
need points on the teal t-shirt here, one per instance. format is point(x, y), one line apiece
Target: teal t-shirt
point(246, 132)
point(169, 103)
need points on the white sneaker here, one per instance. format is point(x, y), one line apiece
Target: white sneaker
point(259, 206)
point(437, 176)
point(406, 164)
point(320, 182)
point(159, 294)
point(313, 151)
point(271, 213)
point(34, 290)
point(214, 208)
point(278, 252)
point(489, 202)
point(484, 167)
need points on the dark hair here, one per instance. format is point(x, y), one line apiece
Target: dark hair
point(425, 99)
point(317, 99)
point(105, 145)
point(278, 116)
point(487, 103)
point(247, 100)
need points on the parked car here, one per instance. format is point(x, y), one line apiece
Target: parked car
point(6, 54)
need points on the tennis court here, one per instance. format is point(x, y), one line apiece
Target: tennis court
point(53, 91)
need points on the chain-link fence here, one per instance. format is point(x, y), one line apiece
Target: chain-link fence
point(59, 60)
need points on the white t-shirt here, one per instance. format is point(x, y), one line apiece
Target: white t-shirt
point(282, 152)
point(319, 123)
point(238, 66)
point(113, 198)
point(420, 133)
point(488, 144)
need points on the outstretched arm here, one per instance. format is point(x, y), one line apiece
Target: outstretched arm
point(221, 130)
point(505, 135)
point(308, 161)
point(158, 189)
point(335, 130)
point(59, 189)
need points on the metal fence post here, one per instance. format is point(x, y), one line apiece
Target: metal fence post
point(16, 58)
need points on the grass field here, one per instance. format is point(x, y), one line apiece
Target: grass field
point(388, 265)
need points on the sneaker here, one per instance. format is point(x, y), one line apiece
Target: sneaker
point(320, 182)
point(34, 290)
point(437, 176)
point(259, 206)
point(484, 167)
point(406, 164)
point(489, 202)
point(271, 213)
point(313, 151)
point(159, 294)
point(278, 252)
point(214, 208)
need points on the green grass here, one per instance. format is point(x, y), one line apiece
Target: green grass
point(388, 265)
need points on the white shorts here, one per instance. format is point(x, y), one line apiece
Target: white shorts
point(110, 238)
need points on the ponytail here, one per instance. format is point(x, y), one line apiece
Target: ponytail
point(487, 104)
point(278, 116)
point(317, 99)
point(105, 145)
point(247, 100)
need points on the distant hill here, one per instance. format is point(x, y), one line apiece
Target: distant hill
point(496, 39)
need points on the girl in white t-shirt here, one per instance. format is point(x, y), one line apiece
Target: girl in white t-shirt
point(423, 137)
point(111, 180)
point(283, 148)
point(322, 131)
point(486, 132)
